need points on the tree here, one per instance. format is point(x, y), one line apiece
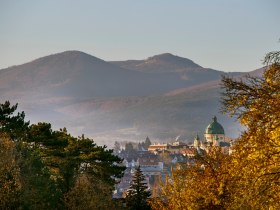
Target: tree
point(40, 166)
point(89, 193)
point(32, 181)
point(53, 147)
point(10, 123)
point(117, 147)
point(255, 101)
point(68, 157)
point(250, 177)
point(201, 185)
point(138, 193)
point(38, 189)
point(10, 184)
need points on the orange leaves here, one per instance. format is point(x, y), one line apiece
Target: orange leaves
point(250, 177)
point(9, 172)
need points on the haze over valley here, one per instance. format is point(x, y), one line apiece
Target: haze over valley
point(162, 96)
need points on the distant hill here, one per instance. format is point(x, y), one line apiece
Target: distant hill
point(162, 96)
point(74, 73)
point(186, 69)
point(160, 63)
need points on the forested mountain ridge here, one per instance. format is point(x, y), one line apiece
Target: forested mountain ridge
point(162, 96)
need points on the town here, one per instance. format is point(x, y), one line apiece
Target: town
point(157, 160)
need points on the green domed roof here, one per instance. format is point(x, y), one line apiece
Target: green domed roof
point(214, 127)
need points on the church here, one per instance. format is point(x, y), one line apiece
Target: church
point(214, 135)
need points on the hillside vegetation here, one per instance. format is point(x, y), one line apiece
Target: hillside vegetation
point(162, 96)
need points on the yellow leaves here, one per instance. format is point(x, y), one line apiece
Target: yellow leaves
point(84, 196)
point(256, 158)
point(9, 172)
point(272, 76)
point(250, 177)
point(195, 187)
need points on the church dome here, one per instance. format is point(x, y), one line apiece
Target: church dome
point(214, 127)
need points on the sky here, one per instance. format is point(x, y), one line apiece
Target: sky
point(227, 35)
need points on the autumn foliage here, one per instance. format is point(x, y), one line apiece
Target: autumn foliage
point(249, 178)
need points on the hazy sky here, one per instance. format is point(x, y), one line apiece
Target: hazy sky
point(229, 35)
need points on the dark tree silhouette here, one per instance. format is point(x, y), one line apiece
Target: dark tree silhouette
point(138, 192)
point(12, 123)
point(147, 143)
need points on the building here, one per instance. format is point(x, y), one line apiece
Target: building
point(174, 147)
point(214, 133)
point(214, 136)
point(152, 168)
point(157, 147)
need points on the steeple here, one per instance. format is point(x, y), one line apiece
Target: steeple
point(196, 142)
point(214, 119)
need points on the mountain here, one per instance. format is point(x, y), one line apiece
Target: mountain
point(72, 74)
point(167, 63)
point(160, 63)
point(162, 96)
point(76, 74)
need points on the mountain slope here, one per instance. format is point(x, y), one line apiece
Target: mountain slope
point(185, 68)
point(70, 73)
point(160, 63)
point(162, 96)
point(76, 74)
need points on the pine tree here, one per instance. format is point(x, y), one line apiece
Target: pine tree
point(12, 123)
point(138, 192)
